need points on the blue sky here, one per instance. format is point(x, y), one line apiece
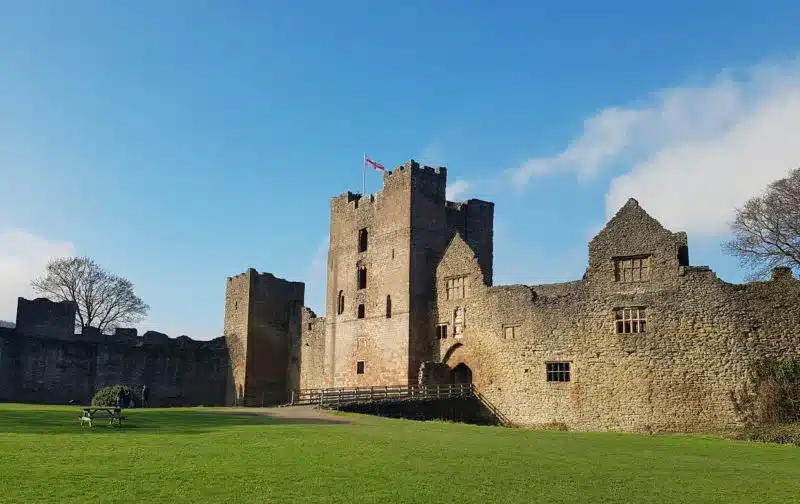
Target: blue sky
point(181, 142)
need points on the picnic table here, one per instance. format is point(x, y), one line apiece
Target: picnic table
point(88, 414)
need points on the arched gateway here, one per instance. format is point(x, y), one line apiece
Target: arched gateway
point(462, 374)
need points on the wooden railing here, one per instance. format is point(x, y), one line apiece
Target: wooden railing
point(333, 396)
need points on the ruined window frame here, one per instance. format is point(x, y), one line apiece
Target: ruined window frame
point(361, 367)
point(457, 287)
point(558, 372)
point(633, 269)
point(363, 240)
point(515, 330)
point(630, 320)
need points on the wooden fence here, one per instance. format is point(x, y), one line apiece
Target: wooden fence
point(334, 396)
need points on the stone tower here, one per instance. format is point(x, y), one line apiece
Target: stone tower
point(263, 317)
point(384, 249)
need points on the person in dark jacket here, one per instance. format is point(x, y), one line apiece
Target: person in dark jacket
point(145, 397)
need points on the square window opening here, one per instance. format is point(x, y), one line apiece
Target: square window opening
point(558, 372)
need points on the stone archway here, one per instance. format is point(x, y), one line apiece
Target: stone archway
point(462, 374)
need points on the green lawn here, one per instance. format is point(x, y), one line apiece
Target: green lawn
point(192, 455)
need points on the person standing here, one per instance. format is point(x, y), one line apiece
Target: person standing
point(145, 397)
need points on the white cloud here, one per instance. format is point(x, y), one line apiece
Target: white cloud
point(459, 187)
point(695, 152)
point(23, 256)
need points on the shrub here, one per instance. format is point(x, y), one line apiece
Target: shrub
point(777, 433)
point(107, 396)
point(776, 398)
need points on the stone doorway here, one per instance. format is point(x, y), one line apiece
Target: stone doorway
point(462, 374)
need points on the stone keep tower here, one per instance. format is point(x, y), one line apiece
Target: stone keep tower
point(262, 320)
point(384, 249)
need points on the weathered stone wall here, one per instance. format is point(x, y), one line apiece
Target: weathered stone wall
point(310, 353)
point(236, 324)
point(46, 319)
point(380, 342)
point(263, 323)
point(678, 375)
point(58, 370)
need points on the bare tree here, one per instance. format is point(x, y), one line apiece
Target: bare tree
point(104, 300)
point(766, 231)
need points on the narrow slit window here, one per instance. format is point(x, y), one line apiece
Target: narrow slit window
point(361, 311)
point(340, 303)
point(360, 367)
point(388, 306)
point(362, 277)
point(363, 238)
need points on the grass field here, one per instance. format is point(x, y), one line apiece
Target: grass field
point(196, 455)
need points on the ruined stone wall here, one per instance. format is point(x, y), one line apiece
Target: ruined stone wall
point(59, 370)
point(262, 325)
point(678, 375)
point(237, 313)
point(310, 353)
point(46, 319)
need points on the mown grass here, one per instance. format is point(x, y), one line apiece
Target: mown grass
point(195, 455)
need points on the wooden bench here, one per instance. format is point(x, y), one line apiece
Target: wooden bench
point(88, 415)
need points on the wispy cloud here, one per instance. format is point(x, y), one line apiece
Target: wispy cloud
point(456, 189)
point(433, 155)
point(317, 277)
point(23, 256)
point(695, 152)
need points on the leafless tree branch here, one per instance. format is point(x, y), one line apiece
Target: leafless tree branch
point(104, 300)
point(766, 229)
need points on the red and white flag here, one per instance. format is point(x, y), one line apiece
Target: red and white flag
point(373, 164)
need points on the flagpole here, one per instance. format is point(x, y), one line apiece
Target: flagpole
point(364, 177)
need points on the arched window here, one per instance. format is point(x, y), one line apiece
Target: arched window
point(340, 303)
point(388, 306)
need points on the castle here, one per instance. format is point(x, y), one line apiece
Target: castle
point(643, 341)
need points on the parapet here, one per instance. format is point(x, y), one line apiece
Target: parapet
point(408, 175)
point(155, 338)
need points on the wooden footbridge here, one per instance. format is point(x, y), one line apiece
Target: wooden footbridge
point(336, 397)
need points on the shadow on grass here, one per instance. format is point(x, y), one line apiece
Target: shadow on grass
point(28, 419)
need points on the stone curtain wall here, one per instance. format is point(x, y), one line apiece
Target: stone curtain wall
point(700, 337)
point(48, 370)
